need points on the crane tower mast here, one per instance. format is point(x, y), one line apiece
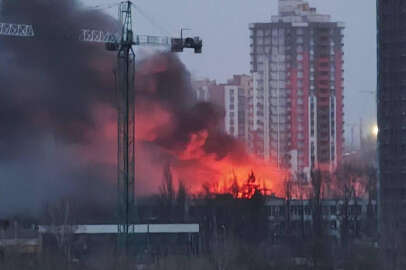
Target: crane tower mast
point(124, 75)
point(126, 125)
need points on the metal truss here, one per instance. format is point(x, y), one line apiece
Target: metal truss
point(90, 35)
point(18, 30)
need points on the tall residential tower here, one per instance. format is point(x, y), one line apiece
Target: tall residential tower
point(296, 106)
point(391, 97)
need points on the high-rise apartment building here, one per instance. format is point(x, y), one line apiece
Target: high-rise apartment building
point(296, 105)
point(236, 93)
point(391, 98)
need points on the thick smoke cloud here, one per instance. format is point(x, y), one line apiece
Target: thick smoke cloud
point(58, 125)
point(173, 129)
point(163, 81)
point(48, 81)
point(58, 118)
point(50, 86)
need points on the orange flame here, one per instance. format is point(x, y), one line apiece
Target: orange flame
point(240, 176)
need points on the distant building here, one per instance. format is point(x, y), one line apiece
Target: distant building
point(16, 238)
point(236, 93)
point(287, 218)
point(391, 98)
point(297, 99)
point(149, 242)
point(360, 215)
point(209, 91)
point(202, 88)
point(232, 97)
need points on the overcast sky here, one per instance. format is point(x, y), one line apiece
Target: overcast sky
point(223, 25)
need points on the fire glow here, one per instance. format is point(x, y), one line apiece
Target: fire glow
point(188, 136)
point(239, 176)
point(172, 130)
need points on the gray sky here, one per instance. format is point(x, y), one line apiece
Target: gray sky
point(223, 25)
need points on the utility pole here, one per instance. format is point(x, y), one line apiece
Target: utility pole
point(361, 136)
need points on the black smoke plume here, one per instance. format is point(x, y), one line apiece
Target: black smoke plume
point(171, 89)
point(52, 143)
point(47, 86)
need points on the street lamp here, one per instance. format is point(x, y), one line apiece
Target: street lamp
point(375, 130)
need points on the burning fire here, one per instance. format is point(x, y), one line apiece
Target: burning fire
point(241, 177)
point(237, 172)
point(189, 137)
point(169, 130)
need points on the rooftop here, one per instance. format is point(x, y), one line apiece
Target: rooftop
point(298, 11)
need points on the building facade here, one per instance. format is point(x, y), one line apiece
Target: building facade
point(203, 90)
point(391, 99)
point(236, 93)
point(296, 108)
point(209, 91)
point(232, 97)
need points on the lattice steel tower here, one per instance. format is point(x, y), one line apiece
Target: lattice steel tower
point(126, 126)
point(124, 76)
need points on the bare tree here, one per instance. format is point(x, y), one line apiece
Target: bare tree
point(288, 189)
point(167, 195)
point(62, 228)
point(317, 189)
point(224, 253)
point(321, 246)
point(181, 202)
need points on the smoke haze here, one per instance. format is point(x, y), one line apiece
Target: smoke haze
point(58, 118)
point(51, 87)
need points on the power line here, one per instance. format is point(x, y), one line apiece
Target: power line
point(103, 6)
point(151, 20)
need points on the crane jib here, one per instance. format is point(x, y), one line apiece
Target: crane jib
point(98, 36)
point(19, 30)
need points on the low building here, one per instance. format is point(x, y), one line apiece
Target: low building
point(18, 239)
point(150, 241)
point(296, 216)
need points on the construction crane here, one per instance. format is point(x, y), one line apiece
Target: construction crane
point(123, 44)
point(112, 40)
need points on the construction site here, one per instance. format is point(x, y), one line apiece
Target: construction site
point(114, 156)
